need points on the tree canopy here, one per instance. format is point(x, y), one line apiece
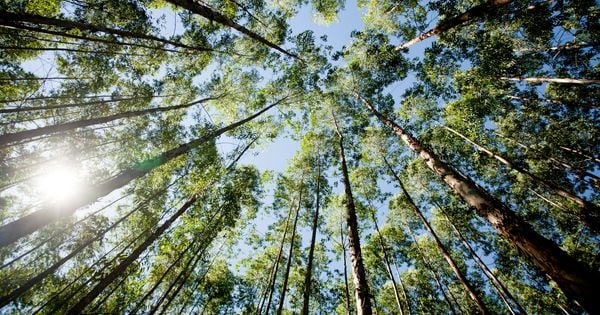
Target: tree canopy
point(225, 157)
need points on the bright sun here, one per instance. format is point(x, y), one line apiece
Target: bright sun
point(58, 184)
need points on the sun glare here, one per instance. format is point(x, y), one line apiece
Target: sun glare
point(58, 184)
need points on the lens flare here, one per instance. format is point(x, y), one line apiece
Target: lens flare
point(58, 183)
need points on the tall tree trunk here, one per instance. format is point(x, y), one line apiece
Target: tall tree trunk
point(581, 173)
point(311, 251)
point(459, 274)
point(17, 20)
point(500, 287)
point(465, 17)
point(134, 255)
point(80, 306)
point(581, 153)
point(361, 287)
point(589, 214)
point(553, 80)
point(13, 231)
point(57, 106)
point(429, 266)
point(29, 134)
point(273, 277)
point(576, 280)
point(402, 288)
point(286, 275)
point(215, 16)
point(346, 286)
point(388, 267)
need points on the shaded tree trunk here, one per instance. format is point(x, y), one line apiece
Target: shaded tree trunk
point(215, 16)
point(590, 212)
point(459, 274)
point(574, 278)
point(29, 134)
point(13, 231)
point(468, 16)
point(361, 287)
point(311, 251)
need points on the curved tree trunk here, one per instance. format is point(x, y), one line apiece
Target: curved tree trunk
point(215, 16)
point(590, 214)
point(29, 134)
point(13, 231)
point(459, 274)
point(574, 278)
point(361, 287)
point(311, 251)
point(449, 23)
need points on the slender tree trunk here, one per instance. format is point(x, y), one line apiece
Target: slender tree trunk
point(16, 20)
point(361, 287)
point(500, 287)
point(553, 80)
point(273, 277)
point(29, 134)
point(386, 261)
point(429, 266)
point(459, 274)
point(575, 279)
point(311, 251)
point(466, 17)
point(184, 276)
point(215, 16)
point(553, 101)
point(160, 280)
point(346, 286)
point(580, 153)
point(4, 300)
point(579, 172)
point(13, 231)
point(42, 79)
point(80, 104)
point(589, 214)
point(404, 294)
point(290, 255)
point(134, 255)
point(83, 51)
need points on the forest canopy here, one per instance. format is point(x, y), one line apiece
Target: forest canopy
point(299, 157)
